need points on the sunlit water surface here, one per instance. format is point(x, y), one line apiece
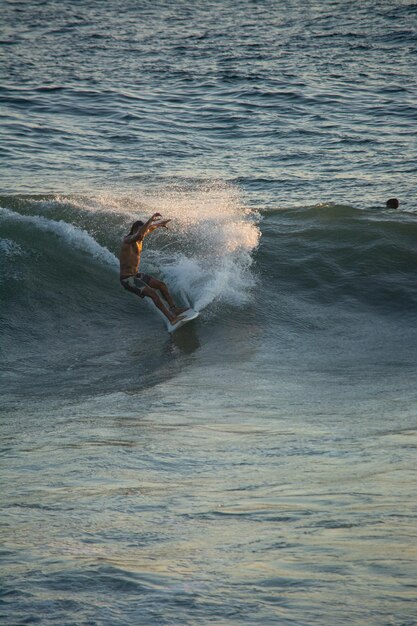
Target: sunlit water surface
point(258, 466)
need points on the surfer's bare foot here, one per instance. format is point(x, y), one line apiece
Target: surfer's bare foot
point(177, 318)
point(176, 310)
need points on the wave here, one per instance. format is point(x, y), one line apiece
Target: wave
point(339, 255)
point(207, 248)
point(63, 309)
point(64, 313)
point(69, 234)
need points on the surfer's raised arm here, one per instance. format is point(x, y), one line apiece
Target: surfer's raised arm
point(162, 224)
point(140, 229)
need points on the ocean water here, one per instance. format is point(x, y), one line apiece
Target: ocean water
point(257, 467)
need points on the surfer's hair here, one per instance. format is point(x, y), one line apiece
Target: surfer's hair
point(393, 203)
point(135, 226)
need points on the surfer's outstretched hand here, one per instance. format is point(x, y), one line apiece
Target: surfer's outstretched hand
point(163, 223)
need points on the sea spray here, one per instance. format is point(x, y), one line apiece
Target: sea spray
point(212, 237)
point(205, 255)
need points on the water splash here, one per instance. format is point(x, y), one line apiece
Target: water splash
point(208, 256)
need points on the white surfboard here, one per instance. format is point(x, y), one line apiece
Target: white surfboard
point(187, 316)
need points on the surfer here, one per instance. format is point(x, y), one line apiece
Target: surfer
point(141, 284)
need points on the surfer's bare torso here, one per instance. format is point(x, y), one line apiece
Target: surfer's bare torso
point(130, 257)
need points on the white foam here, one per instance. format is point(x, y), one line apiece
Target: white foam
point(74, 236)
point(10, 248)
point(218, 236)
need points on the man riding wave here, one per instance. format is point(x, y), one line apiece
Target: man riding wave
point(141, 284)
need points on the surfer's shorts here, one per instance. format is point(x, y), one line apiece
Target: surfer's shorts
point(136, 284)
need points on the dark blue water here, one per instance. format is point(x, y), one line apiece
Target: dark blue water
point(256, 467)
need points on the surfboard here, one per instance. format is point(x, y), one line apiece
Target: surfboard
point(189, 315)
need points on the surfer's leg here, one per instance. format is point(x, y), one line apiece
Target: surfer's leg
point(151, 293)
point(140, 287)
point(160, 286)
